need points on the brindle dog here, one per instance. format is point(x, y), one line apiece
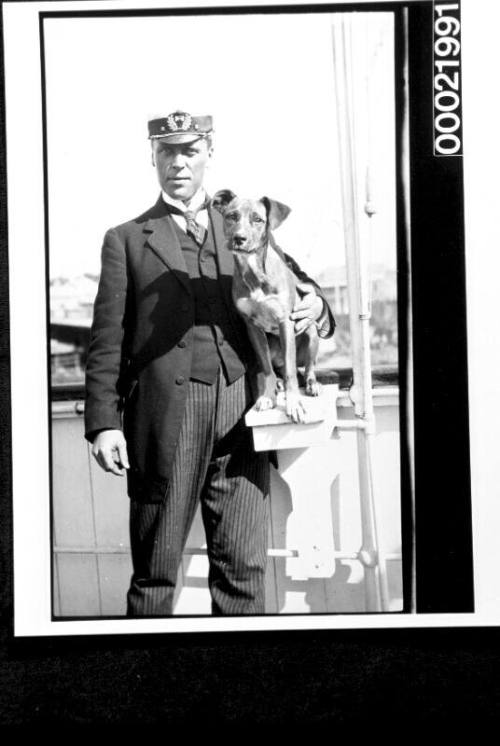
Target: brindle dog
point(265, 293)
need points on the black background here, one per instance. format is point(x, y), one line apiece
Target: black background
point(308, 677)
point(442, 472)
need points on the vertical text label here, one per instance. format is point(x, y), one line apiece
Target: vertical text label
point(447, 80)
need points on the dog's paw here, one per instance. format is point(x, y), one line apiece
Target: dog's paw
point(264, 402)
point(313, 388)
point(294, 407)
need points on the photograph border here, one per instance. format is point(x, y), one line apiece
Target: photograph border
point(456, 552)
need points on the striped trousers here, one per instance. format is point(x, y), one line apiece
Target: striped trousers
point(214, 464)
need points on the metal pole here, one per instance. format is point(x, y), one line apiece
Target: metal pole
point(359, 309)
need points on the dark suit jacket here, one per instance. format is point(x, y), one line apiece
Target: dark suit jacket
point(142, 340)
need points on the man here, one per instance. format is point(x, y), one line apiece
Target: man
point(167, 384)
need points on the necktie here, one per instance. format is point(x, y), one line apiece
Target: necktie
point(194, 229)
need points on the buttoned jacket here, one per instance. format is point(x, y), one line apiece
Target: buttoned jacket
point(141, 341)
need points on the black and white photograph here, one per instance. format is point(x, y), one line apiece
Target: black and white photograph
point(291, 210)
point(213, 527)
point(247, 339)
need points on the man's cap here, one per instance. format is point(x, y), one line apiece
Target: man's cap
point(180, 127)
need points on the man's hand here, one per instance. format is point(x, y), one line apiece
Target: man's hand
point(308, 309)
point(110, 451)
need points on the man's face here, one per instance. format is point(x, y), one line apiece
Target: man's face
point(181, 168)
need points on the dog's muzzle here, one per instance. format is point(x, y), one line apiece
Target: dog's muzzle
point(241, 245)
point(243, 249)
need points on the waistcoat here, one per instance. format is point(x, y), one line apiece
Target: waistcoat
point(216, 339)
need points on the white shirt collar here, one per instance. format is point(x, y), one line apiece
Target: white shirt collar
point(195, 202)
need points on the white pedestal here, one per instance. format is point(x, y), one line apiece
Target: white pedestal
point(273, 430)
point(308, 463)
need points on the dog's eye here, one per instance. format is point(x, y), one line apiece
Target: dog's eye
point(231, 216)
point(257, 219)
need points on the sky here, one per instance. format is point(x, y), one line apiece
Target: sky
point(268, 81)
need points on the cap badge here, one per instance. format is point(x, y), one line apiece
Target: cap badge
point(179, 121)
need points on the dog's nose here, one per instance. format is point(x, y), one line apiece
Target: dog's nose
point(239, 240)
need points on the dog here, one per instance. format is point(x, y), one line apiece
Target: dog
point(265, 292)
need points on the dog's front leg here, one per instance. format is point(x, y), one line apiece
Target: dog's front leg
point(266, 378)
point(294, 407)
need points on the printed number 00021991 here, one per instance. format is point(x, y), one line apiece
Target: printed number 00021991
point(447, 104)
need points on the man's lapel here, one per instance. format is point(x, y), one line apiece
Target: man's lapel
point(163, 240)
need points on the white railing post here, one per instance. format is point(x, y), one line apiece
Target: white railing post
point(359, 311)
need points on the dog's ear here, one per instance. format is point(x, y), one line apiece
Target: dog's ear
point(221, 199)
point(277, 212)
